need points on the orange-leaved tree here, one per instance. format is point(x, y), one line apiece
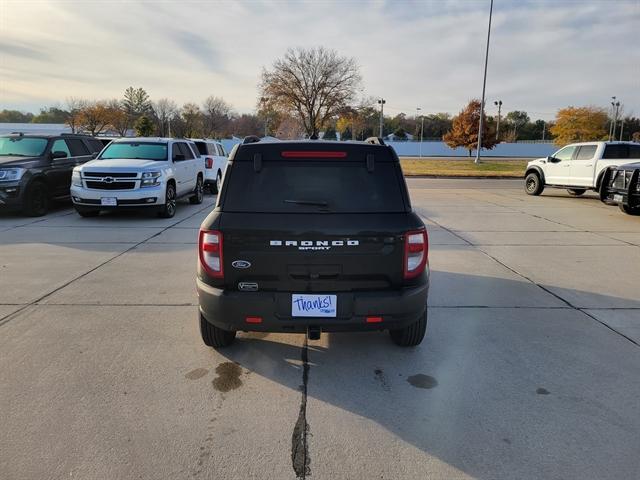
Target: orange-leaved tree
point(579, 124)
point(464, 129)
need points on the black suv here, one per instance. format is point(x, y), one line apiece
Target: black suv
point(313, 236)
point(35, 169)
point(621, 186)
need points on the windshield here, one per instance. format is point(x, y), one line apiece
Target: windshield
point(23, 146)
point(137, 151)
point(313, 187)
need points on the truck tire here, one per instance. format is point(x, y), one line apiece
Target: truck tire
point(629, 210)
point(198, 196)
point(36, 200)
point(576, 192)
point(213, 336)
point(168, 210)
point(533, 184)
point(411, 335)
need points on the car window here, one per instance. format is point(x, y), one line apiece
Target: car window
point(95, 145)
point(176, 151)
point(211, 149)
point(186, 151)
point(61, 146)
point(616, 151)
point(77, 147)
point(221, 151)
point(586, 152)
point(202, 148)
point(23, 146)
point(194, 149)
point(136, 150)
point(634, 151)
point(565, 153)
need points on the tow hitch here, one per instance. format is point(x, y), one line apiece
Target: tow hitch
point(313, 333)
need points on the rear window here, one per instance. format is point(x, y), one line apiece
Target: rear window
point(313, 187)
point(142, 151)
point(621, 151)
point(202, 148)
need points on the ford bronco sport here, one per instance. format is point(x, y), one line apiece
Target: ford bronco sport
point(313, 236)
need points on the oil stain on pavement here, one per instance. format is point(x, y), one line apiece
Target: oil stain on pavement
point(228, 377)
point(422, 381)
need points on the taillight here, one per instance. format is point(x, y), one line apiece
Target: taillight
point(210, 250)
point(208, 162)
point(416, 250)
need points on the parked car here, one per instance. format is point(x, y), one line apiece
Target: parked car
point(36, 169)
point(215, 161)
point(578, 167)
point(621, 186)
point(313, 236)
point(148, 173)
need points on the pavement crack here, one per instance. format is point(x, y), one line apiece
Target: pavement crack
point(299, 446)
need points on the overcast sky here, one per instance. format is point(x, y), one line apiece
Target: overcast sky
point(544, 55)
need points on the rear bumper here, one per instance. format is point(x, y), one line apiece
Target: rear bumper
point(229, 309)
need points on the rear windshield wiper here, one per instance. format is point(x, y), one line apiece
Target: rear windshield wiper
point(316, 203)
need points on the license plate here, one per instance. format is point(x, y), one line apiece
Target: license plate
point(109, 201)
point(617, 198)
point(305, 305)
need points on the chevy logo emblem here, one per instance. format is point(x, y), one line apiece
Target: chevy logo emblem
point(108, 180)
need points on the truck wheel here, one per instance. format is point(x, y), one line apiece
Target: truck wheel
point(196, 199)
point(629, 210)
point(411, 335)
point(576, 192)
point(36, 199)
point(87, 212)
point(213, 336)
point(168, 210)
point(533, 184)
point(215, 187)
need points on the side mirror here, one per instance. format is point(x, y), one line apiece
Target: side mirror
point(179, 157)
point(58, 154)
point(553, 160)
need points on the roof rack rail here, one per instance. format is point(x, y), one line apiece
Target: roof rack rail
point(250, 139)
point(18, 133)
point(75, 135)
point(375, 141)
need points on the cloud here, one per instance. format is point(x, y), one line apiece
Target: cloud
point(544, 54)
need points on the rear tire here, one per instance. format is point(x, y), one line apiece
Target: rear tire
point(213, 336)
point(168, 210)
point(411, 335)
point(629, 210)
point(198, 196)
point(215, 187)
point(36, 202)
point(533, 184)
point(576, 192)
point(87, 212)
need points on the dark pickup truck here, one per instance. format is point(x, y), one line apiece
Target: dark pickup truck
point(36, 169)
point(313, 236)
point(621, 186)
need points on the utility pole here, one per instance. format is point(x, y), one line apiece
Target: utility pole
point(484, 84)
point(544, 127)
point(611, 117)
point(499, 104)
point(615, 107)
point(381, 102)
point(421, 128)
point(621, 126)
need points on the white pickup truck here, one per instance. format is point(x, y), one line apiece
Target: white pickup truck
point(578, 167)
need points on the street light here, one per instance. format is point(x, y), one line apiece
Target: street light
point(484, 84)
point(381, 102)
point(499, 104)
point(421, 128)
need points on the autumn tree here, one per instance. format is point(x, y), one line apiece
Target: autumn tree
point(312, 84)
point(118, 118)
point(192, 120)
point(464, 129)
point(580, 124)
point(74, 108)
point(94, 117)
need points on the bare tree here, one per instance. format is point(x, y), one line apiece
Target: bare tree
point(192, 118)
point(118, 118)
point(164, 110)
point(217, 115)
point(74, 107)
point(314, 85)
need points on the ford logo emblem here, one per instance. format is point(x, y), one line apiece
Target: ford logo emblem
point(240, 264)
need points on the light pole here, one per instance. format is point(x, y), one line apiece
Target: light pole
point(544, 127)
point(611, 118)
point(484, 84)
point(499, 104)
point(381, 102)
point(421, 128)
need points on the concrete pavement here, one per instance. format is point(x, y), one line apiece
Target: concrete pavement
point(529, 368)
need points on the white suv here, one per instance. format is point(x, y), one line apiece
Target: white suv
point(139, 172)
point(215, 162)
point(578, 167)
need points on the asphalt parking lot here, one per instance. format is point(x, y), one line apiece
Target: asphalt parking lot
point(529, 369)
